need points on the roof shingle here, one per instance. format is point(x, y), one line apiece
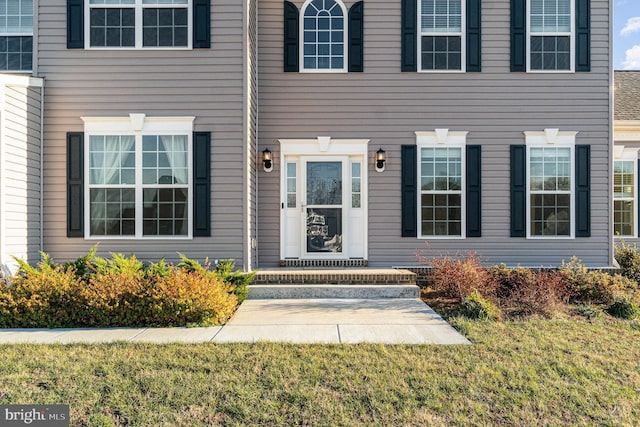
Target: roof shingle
point(627, 95)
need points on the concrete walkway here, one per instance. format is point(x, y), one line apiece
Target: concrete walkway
point(387, 321)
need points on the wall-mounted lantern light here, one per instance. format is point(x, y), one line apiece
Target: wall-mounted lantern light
point(267, 163)
point(381, 159)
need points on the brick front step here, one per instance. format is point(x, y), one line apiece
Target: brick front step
point(335, 277)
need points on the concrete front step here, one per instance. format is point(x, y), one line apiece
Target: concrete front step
point(312, 291)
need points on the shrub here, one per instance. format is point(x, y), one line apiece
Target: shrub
point(190, 297)
point(120, 291)
point(475, 306)
point(459, 277)
point(624, 308)
point(225, 270)
point(594, 286)
point(528, 292)
point(111, 298)
point(38, 297)
point(629, 259)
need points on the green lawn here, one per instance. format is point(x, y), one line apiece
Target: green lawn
point(539, 372)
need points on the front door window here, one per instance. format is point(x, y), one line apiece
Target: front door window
point(323, 208)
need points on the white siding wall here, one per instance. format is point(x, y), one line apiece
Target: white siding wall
point(205, 83)
point(20, 163)
point(387, 106)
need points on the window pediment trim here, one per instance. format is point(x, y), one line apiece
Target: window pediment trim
point(441, 136)
point(138, 123)
point(550, 136)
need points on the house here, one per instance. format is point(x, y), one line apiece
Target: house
point(312, 133)
point(626, 136)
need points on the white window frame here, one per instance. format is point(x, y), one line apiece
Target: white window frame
point(345, 44)
point(463, 39)
point(23, 34)
point(624, 154)
point(138, 125)
point(139, 7)
point(572, 40)
point(443, 138)
point(552, 138)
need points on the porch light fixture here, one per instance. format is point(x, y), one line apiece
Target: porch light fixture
point(267, 163)
point(381, 159)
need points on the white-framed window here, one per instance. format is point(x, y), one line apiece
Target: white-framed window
point(550, 184)
point(324, 36)
point(441, 180)
point(625, 200)
point(139, 177)
point(551, 35)
point(442, 41)
point(16, 35)
point(138, 24)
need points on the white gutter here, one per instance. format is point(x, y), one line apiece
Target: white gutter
point(611, 256)
point(41, 221)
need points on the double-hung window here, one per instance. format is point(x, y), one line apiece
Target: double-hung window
point(324, 32)
point(624, 197)
point(139, 23)
point(551, 35)
point(442, 42)
point(139, 178)
point(550, 183)
point(16, 35)
point(441, 180)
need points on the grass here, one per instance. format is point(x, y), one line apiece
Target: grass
point(538, 372)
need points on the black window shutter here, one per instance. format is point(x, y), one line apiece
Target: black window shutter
point(409, 48)
point(409, 191)
point(202, 184)
point(291, 51)
point(583, 190)
point(75, 184)
point(474, 38)
point(518, 187)
point(356, 37)
point(583, 35)
point(201, 24)
point(638, 193)
point(75, 24)
point(518, 35)
point(474, 203)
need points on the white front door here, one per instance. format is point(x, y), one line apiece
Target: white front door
point(323, 207)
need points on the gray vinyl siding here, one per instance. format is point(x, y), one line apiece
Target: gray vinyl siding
point(20, 162)
point(205, 83)
point(386, 106)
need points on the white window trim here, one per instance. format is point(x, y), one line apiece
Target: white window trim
point(345, 41)
point(462, 34)
point(138, 125)
point(443, 138)
point(551, 138)
point(138, 6)
point(572, 41)
point(622, 153)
